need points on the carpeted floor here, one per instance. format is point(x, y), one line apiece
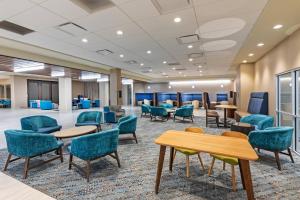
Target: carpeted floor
point(136, 178)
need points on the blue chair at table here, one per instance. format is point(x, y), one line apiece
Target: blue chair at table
point(159, 112)
point(109, 116)
point(90, 118)
point(46, 105)
point(93, 146)
point(97, 103)
point(275, 139)
point(127, 125)
point(184, 112)
point(40, 124)
point(29, 144)
point(146, 109)
point(166, 105)
point(85, 104)
point(260, 122)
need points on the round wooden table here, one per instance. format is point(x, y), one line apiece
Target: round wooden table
point(75, 131)
point(225, 107)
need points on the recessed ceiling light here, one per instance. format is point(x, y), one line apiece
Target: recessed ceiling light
point(119, 32)
point(201, 74)
point(121, 56)
point(149, 87)
point(164, 73)
point(200, 71)
point(244, 61)
point(170, 86)
point(150, 70)
point(251, 54)
point(180, 72)
point(190, 59)
point(200, 66)
point(149, 52)
point(174, 68)
point(222, 86)
point(165, 62)
point(167, 76)
point(84, 40)
point(190, 46)
point(177, 19)
point(193, 86)
point(278, 26)
point(142, 64)
point(260, 44)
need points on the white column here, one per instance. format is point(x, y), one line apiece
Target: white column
point(103, 93)
point(65, 94)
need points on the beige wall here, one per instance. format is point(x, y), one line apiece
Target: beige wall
point(77, 88)
point(283, 57)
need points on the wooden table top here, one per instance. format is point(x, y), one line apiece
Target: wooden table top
point(226, 106)
point(222, 145)
point(75, 131)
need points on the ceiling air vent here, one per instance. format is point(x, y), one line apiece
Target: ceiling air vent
point(146, 69)
point(180, 69)
point(188, 39)
point(167, 6)
point(15, 28)
point(196, 55)
point(130, 62)
point(72, 29)
point(174, 64)
point(92, 6)
point(104, 52)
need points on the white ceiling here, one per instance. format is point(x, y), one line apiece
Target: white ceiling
point(144, 29)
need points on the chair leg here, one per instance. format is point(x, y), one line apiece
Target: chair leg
point(217, 121)
point(290, 154)
point(233, 178)
point(7, 162)
point(258, 149)
point(211, 166)
point(192, 119)
point(70, 161)
point(187, 166)
point(206, 121)
point(61, 154)
point(88, 170)
point(26, 167)
point(117, 158)
point(174, 155)
point(201, 162)
point(134, 135)
point(277, 160)
point(224, 164)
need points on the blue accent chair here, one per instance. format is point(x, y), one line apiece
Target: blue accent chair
point(90, 118)
point(166, 105)
point(46, 105)
point(260, 122)
point(97, 103)
point(184, 112)
point(159, 112)
point(29, 144)
point(93, 146)
point(40, 124)
point(6, 103)
point(275, 139)
point(146, 109)
point(127, 125)
point(85, 104)
point(109, 116)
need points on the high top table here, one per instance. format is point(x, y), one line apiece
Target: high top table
point(226, 107)
point(222, 145)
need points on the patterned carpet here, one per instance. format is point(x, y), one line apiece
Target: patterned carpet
point(136, 178)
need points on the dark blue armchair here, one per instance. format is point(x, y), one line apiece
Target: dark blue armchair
point(275, 139)
point(29, 144)
point(146, 109)
point(159, 112)
point(260, 122)
point(184, 112)
point(109, 116)
point(90, 118)
point(127, 125)
point(40, 124)
point(93, 146)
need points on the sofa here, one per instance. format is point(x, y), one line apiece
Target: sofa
point(40, 124)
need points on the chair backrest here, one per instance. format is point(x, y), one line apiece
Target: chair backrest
point(115, 108)
point(194, 130)
point(36, 122)
point(106, 109)
point(94, 116)
point(258, 103)
point(235, 134)
point(206, 101)
point(145, 108)
point(95, 145)
point(160, 111)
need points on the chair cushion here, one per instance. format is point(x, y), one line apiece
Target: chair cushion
point(49, 129)
point(212, 113)
point(227, 159)
point(187, 151)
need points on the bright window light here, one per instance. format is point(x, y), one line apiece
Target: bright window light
point(57, 73)
point(89, 76)
point(104, 79)
point(127, 81)
point(200, 82)
point(28, 66)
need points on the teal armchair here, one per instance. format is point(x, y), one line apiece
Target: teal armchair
point(275, 139)
point(93, 146)
point(185, 112)
point(159, 112)
point(166, 105)
point(146, 109)
point(260, 121)
point(127, 125)
point(109, 116)
point(28, 144)
point(90, 118)
point(40, 124)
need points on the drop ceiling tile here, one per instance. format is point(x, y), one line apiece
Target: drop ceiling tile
point(9, 8)
point(37, 18)
point(64, 8)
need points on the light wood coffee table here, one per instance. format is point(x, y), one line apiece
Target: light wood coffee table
point(75, 131)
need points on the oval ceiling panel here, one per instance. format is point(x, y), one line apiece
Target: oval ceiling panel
point(218, 45)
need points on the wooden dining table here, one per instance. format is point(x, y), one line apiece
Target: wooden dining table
point(222, 145)
point(225, 108)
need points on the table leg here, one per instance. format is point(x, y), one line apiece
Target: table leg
point(246, 178)
point(225, 117)
point(171, 158)
point(160, 166)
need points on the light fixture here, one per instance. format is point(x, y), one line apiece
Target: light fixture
point(260, 44)
point(201, 74)
point(222, 86)
point(177, 19)
point(251, 54)
point(193, 86)
point(277, 26)
point(164, 73)
point(200, 71)
point(121, 56)
point(244, 61)
point(150, 70)
point(104, 79)
point(84, 40)
point(180, 72)
point(201, 82)
point(174, 68)
point(184, 75)
point(149, 87)
point(119, 32)
point(126, 81)
point(200, 66)
point(28, 66)
point(142, 64)
point(57, 73)
point(167, 76)
point(191, 59)
point(165, 62)
point(149, 52)
point(89, 76)
point(190, 46)
point(170, 86)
